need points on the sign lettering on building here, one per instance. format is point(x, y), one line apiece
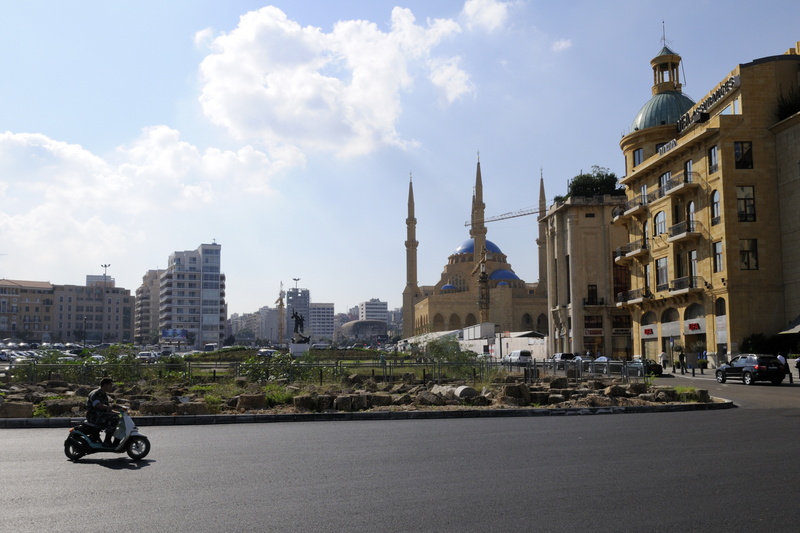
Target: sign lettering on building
point(703, 107)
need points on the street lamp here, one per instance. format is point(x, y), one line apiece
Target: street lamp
point(103, 307)
point(84, 332)
point(295, 282)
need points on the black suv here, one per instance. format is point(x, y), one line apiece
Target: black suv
point(751, 367)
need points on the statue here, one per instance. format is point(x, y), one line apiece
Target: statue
point(298, 322)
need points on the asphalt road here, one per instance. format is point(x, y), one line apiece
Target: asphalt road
point(729, 470)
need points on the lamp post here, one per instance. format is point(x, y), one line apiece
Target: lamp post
point(84, 332)
point(103, 301)
point(295, 282)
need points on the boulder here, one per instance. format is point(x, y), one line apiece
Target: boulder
point(343, 403)
point(519, 391)
point(381, 400)
point(703, 396)
point(445, 391)
point(615, 390)
point(303, 402)
point(559, 383)
point(192, 408)
point(402, 399)
point(251, 401)
point(157, 407)
point(636, 389)
point(16, 410)
point(429, 398)
point(555, 398)
point(64, 407)
point(325, 402)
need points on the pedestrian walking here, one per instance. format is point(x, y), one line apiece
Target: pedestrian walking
point(664, 360)
point(682, 360)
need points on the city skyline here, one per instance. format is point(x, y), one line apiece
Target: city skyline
point(287, 131)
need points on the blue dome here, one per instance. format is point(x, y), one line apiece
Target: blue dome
point(448, 287)
point(502, 284)
point(468, 247)
point(663, 108)
point(503, 274)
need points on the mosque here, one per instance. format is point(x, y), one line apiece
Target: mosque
point(477, 285)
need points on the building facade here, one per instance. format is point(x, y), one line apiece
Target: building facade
point(192, 308)
point(297, 301)
point(710, 210)
point(321, 321)
point(374, 309)
point(583, 278)
point(146, 312)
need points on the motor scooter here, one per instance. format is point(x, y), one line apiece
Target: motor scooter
point(84, 439)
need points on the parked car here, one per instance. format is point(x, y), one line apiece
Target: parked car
point(559, 358)
point(750, 367)
point(266, 352)
point(519, 357)
point(637, 368)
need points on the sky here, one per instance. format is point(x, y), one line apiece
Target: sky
point(287, 131)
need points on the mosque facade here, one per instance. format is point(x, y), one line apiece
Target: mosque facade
point(477, 285)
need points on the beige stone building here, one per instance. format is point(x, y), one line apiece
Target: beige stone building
point(712, 190)
point(146, 313)
point(477, 285)
point(26, 310)
point(583, 278)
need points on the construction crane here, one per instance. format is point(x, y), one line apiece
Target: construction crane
point(510, 214)
point(281, 315)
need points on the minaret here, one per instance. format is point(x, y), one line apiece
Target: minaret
point(411, 292)
point(541, 242)
point(478, 229)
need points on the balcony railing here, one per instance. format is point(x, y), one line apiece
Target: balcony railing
point(635, 294)
point(687, 283)
point(594, 301)
point(687, 228)
point(632, 248)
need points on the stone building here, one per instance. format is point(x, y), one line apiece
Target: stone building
point(712, 190)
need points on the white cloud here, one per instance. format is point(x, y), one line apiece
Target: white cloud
point(84, 205)
point(446, 74)
point(488, 15)
point(273, 82)
point(561, 45)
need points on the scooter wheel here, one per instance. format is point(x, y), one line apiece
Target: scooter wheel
point(138, 448)
point(72, 451)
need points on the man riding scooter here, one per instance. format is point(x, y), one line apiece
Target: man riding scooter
point(99, 410)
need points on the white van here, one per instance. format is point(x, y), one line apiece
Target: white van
point(518, 356)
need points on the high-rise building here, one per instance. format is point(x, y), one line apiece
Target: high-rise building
point(146, 313)
point(374, 309)
point(297, 301)
point(192, 308)
point(321, 320)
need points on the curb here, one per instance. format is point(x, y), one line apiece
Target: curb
point(196, 420)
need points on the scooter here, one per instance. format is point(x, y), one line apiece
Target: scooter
point(84, 439)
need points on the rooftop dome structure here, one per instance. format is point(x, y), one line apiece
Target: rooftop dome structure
point(668, 102)
point(662, 109)
point(503, 273)
point(468, 247)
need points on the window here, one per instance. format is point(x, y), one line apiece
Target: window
point(638, 156)
point(719, 266)
point(592, 295)
point(660, 223)
point(746, 204)
point(716, 214)
point(743, 154)
point(713, 161)
point(687, 171)
point(662, 274)
point(663, 180)
point(748, 254)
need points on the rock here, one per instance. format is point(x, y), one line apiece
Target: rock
point(241, 382)
point(615, 390)
point(555, 398)
point(62, 407)
point(325, 402)
point(304, 402)
point(343, 403)
point(429, 398)
point(597, 400)
point(402, 399)
point(251, 401)
point(16, 410)
point(636, 389)
point(539, 397)
point(667, 395)
point(157, 407)
point(381, 400)
point(445, 391)
point(192, 408)
point(519, 391)
point(559, 383)
point(703, 396)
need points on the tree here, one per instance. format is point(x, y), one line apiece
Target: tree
point(598, 182)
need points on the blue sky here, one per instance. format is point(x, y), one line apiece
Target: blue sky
point(286, 131)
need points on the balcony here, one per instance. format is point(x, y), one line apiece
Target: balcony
point(686, 285)
point(633, 249)
point(633, 296)
point(587, 302)
point(682, 182)
point(635, 206)
point(686, 230)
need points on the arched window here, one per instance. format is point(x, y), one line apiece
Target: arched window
point(694, 311)
point(716, 213)
point(719, 307)
point(670, 315)
point(455, 322)
point(660, 223)
point(470, 320)
point(648, 318)
point(541, 323)
point(438, 322)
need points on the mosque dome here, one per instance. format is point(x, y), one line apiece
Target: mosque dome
point(468, 247)
point(449, 287)
point(662, 109)
point(502, 284)
point(503, 273)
